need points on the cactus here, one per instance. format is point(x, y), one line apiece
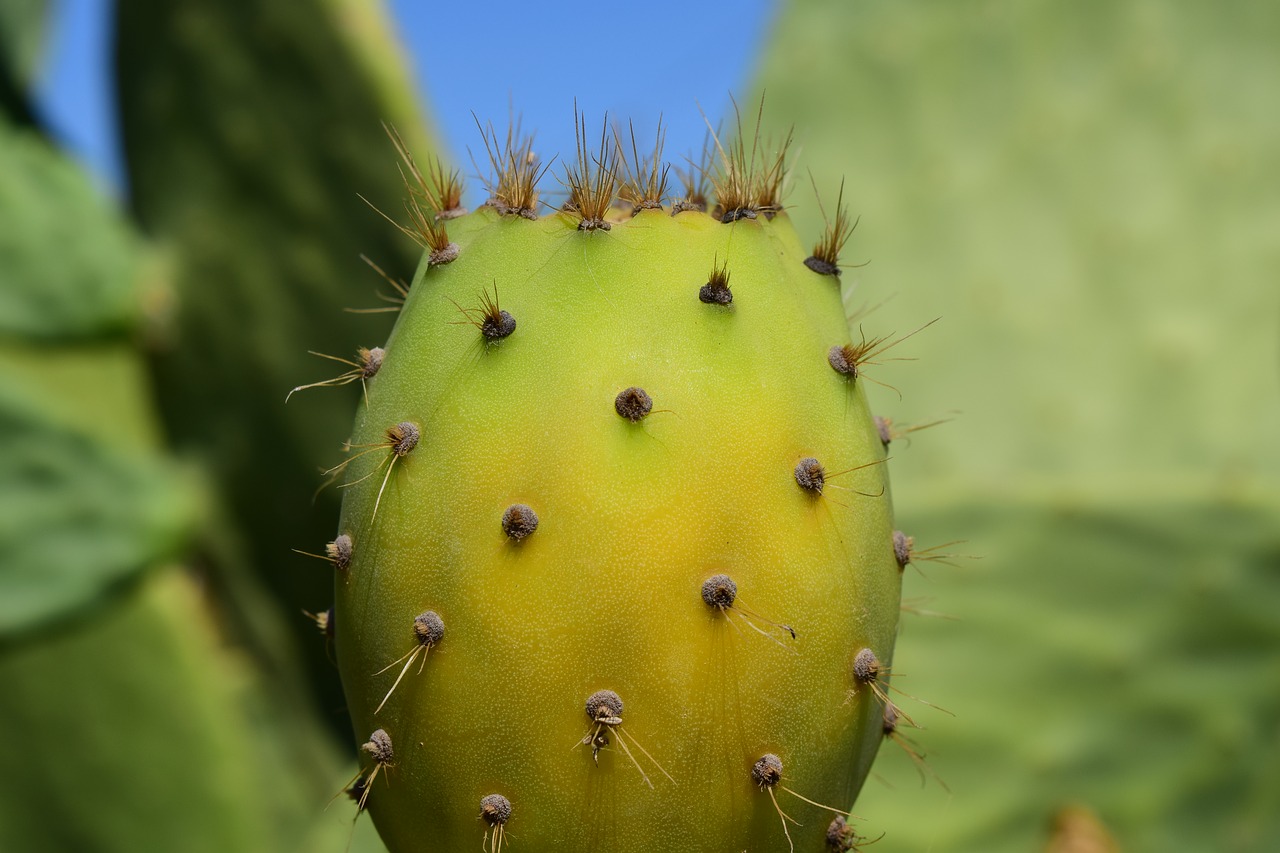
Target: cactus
point(1101, 160)
point(616, 563)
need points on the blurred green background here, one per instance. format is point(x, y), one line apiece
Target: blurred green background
point(1087, 194)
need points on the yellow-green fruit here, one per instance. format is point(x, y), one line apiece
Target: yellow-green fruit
point(581, 467)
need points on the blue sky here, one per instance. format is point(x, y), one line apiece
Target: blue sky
point(660, 57)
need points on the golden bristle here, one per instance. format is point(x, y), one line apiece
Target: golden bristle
point(645, 184)
point(440, 189)
point(731, 179)
point(772, 183)
point(825, 259)
point(424, 227)
point(514, 171)
point(446, 186)
point(736, 179)
point(591, 180)
point(694, 179)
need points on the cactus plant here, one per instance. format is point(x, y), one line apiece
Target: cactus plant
point(187, 744)
point(246, 105)
point(1075, 186)
point(616, 562)
point(1060, 181)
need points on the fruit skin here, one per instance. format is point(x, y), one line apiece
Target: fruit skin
point(633, 518)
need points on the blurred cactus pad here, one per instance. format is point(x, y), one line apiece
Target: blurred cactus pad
point(267, 119)
point(1082, 192)
point(1085, 193)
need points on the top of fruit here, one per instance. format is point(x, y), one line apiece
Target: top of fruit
point(609, 181)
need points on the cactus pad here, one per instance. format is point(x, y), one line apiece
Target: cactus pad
point(657, 525)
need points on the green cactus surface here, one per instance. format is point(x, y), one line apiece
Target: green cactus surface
point(617, 536)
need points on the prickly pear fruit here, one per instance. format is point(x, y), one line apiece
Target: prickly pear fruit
point(618, 569)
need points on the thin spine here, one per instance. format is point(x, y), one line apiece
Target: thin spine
point(695, 179)
point(867, 670)
point(429, 630)
point(891, 731)
point(767, 773)
point(645, 184)
point(368, 366)
point(850, 359)
point(440, 188)
point(785, 817)
point(378, 747)
point(604, 709)
point(720, 593)
point(732, 178)
point(825, 259)
point(397, 301)
point(890, 432)
point(514, 170)
point(906, 553)
point(424, 228)
point(591, 181)
point(400, 440)
point(493, 322)
point(717, 290)
point(772, 184)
